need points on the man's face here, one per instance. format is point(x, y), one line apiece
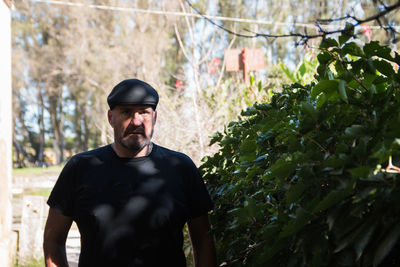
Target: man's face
point(133, 125)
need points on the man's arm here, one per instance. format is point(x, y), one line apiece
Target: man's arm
point(202, 242)
point(55, 235)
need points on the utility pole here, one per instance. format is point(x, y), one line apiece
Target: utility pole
point(5, 135)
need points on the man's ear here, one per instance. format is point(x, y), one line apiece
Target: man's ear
point(155, 117)
point(109, 116)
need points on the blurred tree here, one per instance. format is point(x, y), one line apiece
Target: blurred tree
point(67, 58)
point(72, 57)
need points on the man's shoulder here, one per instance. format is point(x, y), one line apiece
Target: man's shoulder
point(100, 152)
point(172, 154)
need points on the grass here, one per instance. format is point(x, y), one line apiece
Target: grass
point(37, 171)
point(44, 192)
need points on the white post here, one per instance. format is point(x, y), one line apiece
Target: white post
point(34, 212)
point(5, 135)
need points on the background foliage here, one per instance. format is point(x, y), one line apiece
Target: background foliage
point(67, 58)
point(304, 180)
point(286, 171)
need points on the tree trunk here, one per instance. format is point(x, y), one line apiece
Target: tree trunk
point(61, 130)
point(77, 122)
point(21, 151)
point(86, 130)
point(81, 125)
point(57, 124)
point(40, 155)
point(31, 137)
point(18, 153)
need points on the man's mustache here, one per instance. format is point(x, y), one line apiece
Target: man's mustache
point(134, 130)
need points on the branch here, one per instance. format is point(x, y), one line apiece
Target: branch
point(178, 37)
point(304, 37)
point(244, 253)
point(207, 54)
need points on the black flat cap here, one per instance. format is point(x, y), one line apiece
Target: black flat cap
point(133, 92)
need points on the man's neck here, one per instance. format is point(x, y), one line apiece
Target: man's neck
point(123, 152)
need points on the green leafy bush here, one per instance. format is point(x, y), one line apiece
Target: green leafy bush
point(303, 180)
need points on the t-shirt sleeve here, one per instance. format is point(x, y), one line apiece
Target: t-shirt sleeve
point(61, 197)
point(200, 202)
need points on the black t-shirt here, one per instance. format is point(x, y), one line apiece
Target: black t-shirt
point(130, 211)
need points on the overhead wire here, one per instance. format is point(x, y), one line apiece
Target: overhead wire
point(182, 14)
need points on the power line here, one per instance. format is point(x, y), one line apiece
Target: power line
point(183, 14)
point(322, 32)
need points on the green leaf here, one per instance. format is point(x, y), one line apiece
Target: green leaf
point(254, 171)
point(241, 216)
point(374, 49)
point(384, 67)
point(321, 100)
point(335, 196)
point(360, 172)
point(259, 86)
point(309, 110)
point(381, 152)
point(343, 39)
point(354, 130)
point(347, 34)
point(331, 199)
point(371, 67)
point(248, 146)
point(349, 29)
point(386, 245)
point(346, 75)
point(372, 89)
point(346, 241)
point(342, 91)
point(226, 140)
point(288, 73)
point(352, 49)
point(380, 88)
point(216, 137)
point(331, 76)
point(282, 169)
point(324, 58)
point(341, 70)
point(295, 192)
point(302, 217)
point(252, 80)
point(328, 42)
point(301, 70)
point(269, 230)
point(363, 239)
point(251, 207)
point(368, 79)
point(333, 162)
point(324, 86)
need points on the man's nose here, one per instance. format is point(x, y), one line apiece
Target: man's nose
point(136, 119)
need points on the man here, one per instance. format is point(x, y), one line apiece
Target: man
point(130, 199)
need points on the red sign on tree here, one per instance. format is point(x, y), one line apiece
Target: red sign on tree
point(245, 59)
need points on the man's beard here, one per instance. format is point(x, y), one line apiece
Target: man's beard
point(136, 142)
